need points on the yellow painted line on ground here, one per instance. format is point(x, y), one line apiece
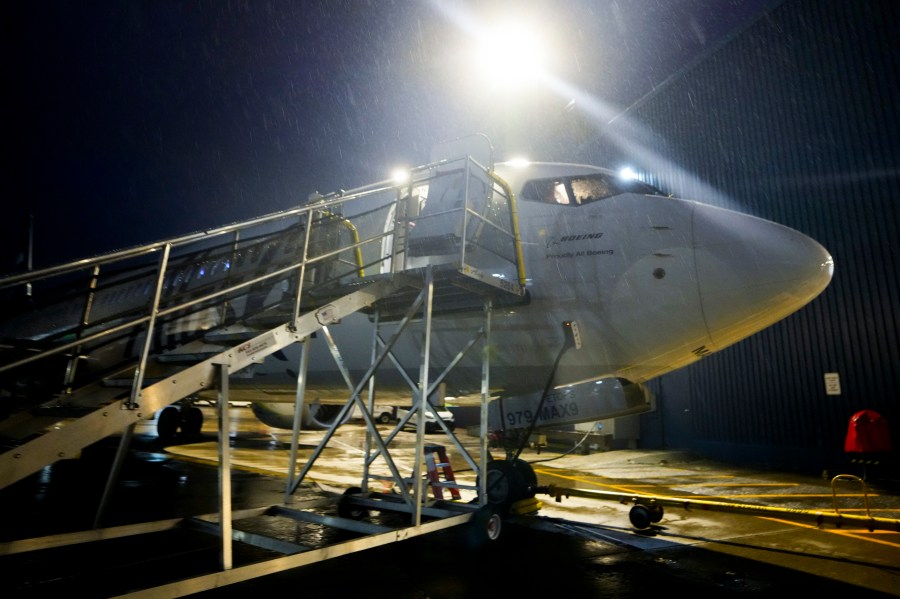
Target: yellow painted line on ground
point(586, 481)
point(873, 511)
point(612, 483)
point(242, 467)
point(633, 489)
point(234, 465)
point(742, 485)
point(711, 477)
point(627, 488)
point(861, 534)
point(791, 496)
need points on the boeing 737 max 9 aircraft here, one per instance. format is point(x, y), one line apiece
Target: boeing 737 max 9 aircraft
point(595, 286)
point(653, 283)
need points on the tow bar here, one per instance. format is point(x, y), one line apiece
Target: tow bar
point(648, 509)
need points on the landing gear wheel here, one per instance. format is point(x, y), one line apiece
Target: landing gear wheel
point(509, 482)
point(656, 513)
point(167, 423)
point(351, 512)
point(640, 517)
point(384, 418)
point(192, 421)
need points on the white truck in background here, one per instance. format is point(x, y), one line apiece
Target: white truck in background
point(387, 414)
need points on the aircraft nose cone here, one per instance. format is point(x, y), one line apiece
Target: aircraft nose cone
point(753, 272)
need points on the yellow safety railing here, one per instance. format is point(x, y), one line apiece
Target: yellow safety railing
point(514, 215)
point(355, 234)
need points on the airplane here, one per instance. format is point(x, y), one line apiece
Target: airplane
point(598, 284)
point(652, 283)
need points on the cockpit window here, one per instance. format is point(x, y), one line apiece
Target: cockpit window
point(550, 191)
point(591, 189)
point(575, 191)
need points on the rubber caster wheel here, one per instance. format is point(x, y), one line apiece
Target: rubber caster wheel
point(640, 517)
point(167, 423)
point(493, 526)
point(486, 526)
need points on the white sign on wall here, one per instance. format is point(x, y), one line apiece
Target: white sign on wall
point(832, 383)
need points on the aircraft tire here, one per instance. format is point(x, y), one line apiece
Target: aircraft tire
point(192, 421)
point(167, 423)
point(509, 482)
point(384, 418)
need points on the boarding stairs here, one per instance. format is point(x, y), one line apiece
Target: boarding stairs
point(92, 347)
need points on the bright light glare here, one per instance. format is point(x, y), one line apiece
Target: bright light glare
point(519, 162)
point(601, 114)
point(400, 176)
point(628, 174)
point(511, 54)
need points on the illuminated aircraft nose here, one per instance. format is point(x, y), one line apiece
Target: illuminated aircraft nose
point(752, 272)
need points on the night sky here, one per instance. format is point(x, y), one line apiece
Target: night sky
point(131, 121)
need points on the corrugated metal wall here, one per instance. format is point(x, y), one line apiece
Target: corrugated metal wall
point(796, 119)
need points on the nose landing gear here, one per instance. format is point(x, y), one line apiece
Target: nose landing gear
point(188, 419)
point(509, 482)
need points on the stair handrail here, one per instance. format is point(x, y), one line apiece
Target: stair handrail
point(323, 204)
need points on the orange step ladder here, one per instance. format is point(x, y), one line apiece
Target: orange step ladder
point(435, 468)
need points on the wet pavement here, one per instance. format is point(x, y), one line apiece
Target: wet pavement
point(574, 547)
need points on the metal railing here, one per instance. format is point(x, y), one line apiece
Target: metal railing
point(115, 310)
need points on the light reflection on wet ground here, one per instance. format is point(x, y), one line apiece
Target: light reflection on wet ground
point(591, 551)
point(874, 560)
point(672, 474)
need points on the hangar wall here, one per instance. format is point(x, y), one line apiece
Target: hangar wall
point(795, 119)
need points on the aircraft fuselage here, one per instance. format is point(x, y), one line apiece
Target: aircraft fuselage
point(654, 283)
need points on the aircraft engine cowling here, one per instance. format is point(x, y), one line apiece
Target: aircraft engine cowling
point(609, 397)
point(281, 415)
